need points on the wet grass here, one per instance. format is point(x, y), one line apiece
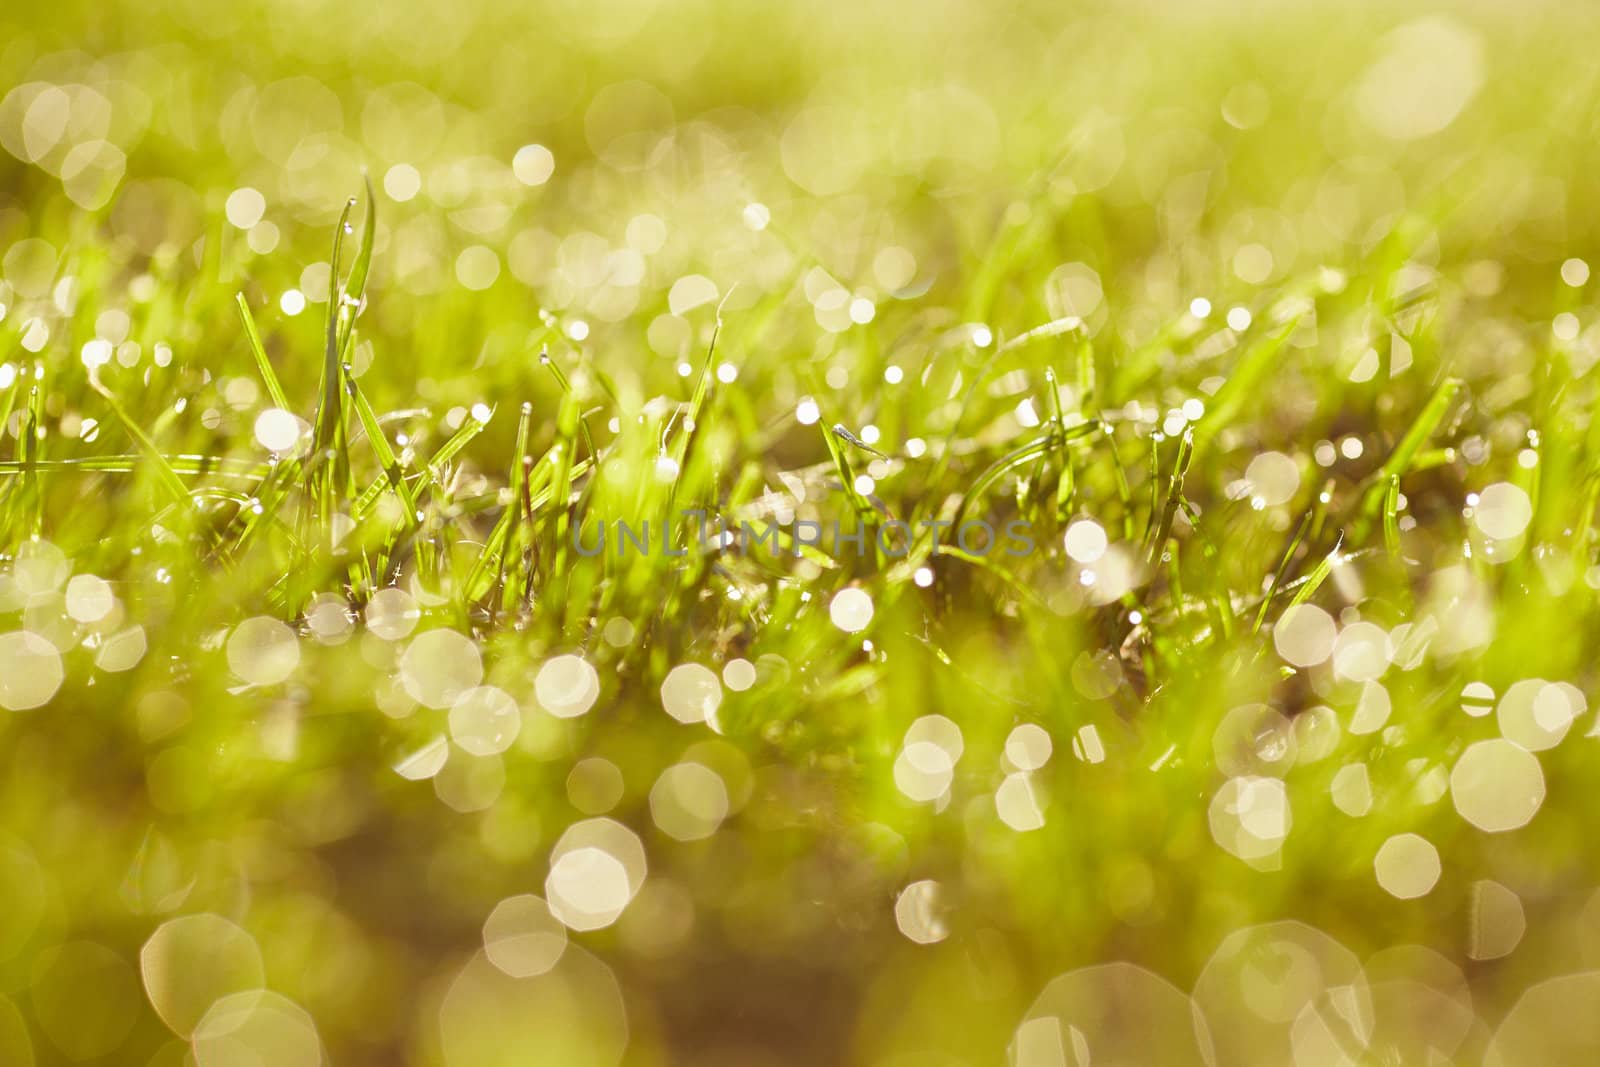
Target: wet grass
point(1297, 426)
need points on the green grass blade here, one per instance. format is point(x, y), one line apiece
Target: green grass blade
point(1420, 430)
point(328, 409)
point(1241, 386)
point(1391, 522)
point(165, 475)
point(381, 447)
point(259, 351)
point(1318, 575)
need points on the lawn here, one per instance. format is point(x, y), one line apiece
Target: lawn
point(887, 534)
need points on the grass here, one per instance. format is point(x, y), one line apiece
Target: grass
point(312, 685)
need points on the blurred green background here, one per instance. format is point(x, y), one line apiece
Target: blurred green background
point(1315, 293)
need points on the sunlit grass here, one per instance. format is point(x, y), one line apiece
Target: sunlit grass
point(759, 535)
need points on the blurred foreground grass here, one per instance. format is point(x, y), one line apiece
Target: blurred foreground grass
point(320, 740)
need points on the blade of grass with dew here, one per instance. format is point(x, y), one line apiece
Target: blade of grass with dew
point(433, 471)
point(1067, 324)
point(427, 478)
point(1174, 494)
point(1016, 458)
point(694, 416)
point(561, 460)
point(327, 470)
point(566, 387)
point(270, 493)
point(1070, 324)
point(353, 293)
point(328, 406)
point(866, 514)
point(129, 463)
point(478, 583)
